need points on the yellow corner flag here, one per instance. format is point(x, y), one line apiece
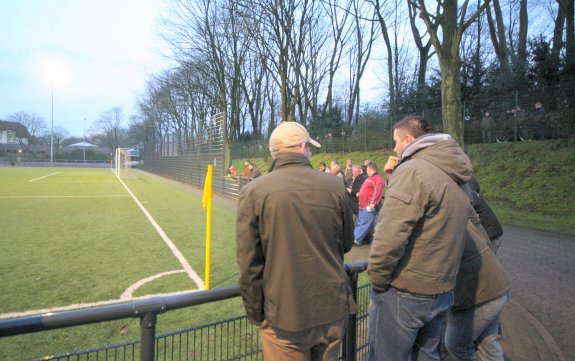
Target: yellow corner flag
point(208, 187)
point(207, 203)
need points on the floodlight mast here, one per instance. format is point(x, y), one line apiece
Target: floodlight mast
point(52, 129)
point(84, 147)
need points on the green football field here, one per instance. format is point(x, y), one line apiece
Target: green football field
point(76, 237)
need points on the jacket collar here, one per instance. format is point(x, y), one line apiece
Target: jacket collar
point(289, 159)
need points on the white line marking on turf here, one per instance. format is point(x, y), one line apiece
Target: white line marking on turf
point(130, 290)
point(48, 311)
point(189, 270)
point(35, 179)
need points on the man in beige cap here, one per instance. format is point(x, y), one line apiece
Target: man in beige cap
point(293, 227)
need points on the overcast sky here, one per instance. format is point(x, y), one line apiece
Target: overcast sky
point(98, 52)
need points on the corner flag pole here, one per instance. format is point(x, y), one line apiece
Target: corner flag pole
point(207, 203)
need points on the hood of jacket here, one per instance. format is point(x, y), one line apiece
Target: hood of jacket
point(442, 151)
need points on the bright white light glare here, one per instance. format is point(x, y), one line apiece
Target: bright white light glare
point(54, 71)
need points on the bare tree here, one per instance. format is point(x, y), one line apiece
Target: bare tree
point(341, 33)
point(365, 32)
point(211, 33)
point(33, 123)
point(59, 134)
point(277, 28)
point(453, 22)
point(565, 20)
point(424, 50)
point(509, 45)
point(109, 127)
point(380, 7)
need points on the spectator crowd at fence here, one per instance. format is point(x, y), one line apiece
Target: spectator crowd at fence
point(432, 250)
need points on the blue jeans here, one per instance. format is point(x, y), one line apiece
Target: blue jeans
point(476, 328)
point(405, 326)
point(364, 225)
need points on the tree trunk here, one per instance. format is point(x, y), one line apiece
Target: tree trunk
point(451, 109)
point(387, 41)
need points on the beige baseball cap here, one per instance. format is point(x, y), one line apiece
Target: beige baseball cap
point(289, 134)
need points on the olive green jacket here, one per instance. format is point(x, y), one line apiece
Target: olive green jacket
point(481, 277)
point(418, 241)
point(293, 227)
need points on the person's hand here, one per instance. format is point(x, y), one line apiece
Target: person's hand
point(390, 164)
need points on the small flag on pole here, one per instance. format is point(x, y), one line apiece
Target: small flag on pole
point(207, 203)
point(208, 187)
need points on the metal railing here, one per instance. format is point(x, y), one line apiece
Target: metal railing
point(230, 339)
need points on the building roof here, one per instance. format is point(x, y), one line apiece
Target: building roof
point(21, 131)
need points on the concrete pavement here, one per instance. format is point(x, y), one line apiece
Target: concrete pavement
point(524, 338)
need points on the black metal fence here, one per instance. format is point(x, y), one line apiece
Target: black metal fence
point(502, 128)
point(191, 168)
point(230, 339)
point(186, 158)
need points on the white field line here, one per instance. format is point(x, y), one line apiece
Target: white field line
point(189, 270)
point(48, 311)
point(35, 179)
point(127, 295)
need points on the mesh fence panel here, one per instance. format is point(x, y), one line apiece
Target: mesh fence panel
point(229, 339)
point(185, 158)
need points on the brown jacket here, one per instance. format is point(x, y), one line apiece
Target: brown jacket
point(418, 240)
point(293, 227)
point(481, 277)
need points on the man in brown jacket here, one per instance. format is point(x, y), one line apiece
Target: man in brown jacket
point(418, 243)
point(293, 227)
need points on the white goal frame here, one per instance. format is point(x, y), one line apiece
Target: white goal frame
point(124, 164)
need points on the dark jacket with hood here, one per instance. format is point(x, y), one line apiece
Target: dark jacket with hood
point(355, 187)
point(487, 217)
point(419, 239)
point(293, 227)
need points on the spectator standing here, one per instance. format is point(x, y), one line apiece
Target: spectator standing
point(247, 171)
point(232, 172)
point(323, 167)
point(369, 204)
point(486, 127)
point(348, 172)
point(481, 291)
point(356, 181)
point(364, 165)
point(539, 121)
point(335, 169)
point(254, 172)
point(418, 243)
point(293, 227)
point(487, 217)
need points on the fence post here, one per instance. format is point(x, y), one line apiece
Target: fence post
point(148, 336)
point(350, 339)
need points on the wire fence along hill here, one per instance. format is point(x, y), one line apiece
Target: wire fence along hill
point(514, 125)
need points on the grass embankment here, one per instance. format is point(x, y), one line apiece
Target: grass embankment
point(528, 184)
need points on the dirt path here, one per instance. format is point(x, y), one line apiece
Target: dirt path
point(541, 267)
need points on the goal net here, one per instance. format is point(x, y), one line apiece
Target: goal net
point(125, 161)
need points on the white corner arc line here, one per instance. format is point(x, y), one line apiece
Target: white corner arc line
point(189, 270)
point(44, 176)
point(127, 294)
point(77, 306)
